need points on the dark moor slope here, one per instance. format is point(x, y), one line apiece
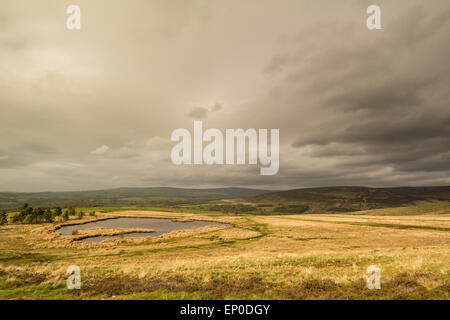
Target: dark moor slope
point(352, 198)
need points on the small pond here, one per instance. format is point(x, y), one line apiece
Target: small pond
point(160, 226)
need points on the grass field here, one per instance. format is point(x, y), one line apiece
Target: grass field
point(304, 256)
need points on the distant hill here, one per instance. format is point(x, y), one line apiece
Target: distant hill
point(158, 196)
point(236, 200)
point(343, 199)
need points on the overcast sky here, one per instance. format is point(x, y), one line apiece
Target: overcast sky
point(95, 108)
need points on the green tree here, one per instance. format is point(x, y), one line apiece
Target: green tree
point(25, 211)
point(3, 217)
point(58, 211)
point(48, 216)
point(16, 218)
point(65, 215)
point(29, 219)
point(23, 207)
point(72, 212)
point(38, 215)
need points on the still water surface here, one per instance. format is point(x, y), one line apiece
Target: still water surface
point(160, 226)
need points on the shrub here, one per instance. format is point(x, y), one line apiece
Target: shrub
point(340, 209)
point(48, 216)
point(58, 211)
point(16, 218)
point(23, 207)
point(29, 219)
point(72, 212)
point(297, 208)
point(238, 208)
point(3, 218)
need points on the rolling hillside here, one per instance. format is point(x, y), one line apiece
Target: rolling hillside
point(343, 199)
point(235, 200)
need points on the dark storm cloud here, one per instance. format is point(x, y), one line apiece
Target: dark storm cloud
point(354, 107)
point(391, 112)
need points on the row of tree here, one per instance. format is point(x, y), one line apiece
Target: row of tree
point(29, 215)
point(3, 217)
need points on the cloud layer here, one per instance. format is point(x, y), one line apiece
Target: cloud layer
point(95, 108)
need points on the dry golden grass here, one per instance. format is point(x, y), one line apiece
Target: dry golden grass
point(282, 257)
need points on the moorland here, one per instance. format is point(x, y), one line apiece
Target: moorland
point(318, 252)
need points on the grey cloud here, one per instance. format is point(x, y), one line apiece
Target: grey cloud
point(100, 150)
point(354, 107)
point(278, 63)
point(417, 25)
point(383, 111)
point(202, 113)
point(217, 107)
point(198, 113)
point(15, 44)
